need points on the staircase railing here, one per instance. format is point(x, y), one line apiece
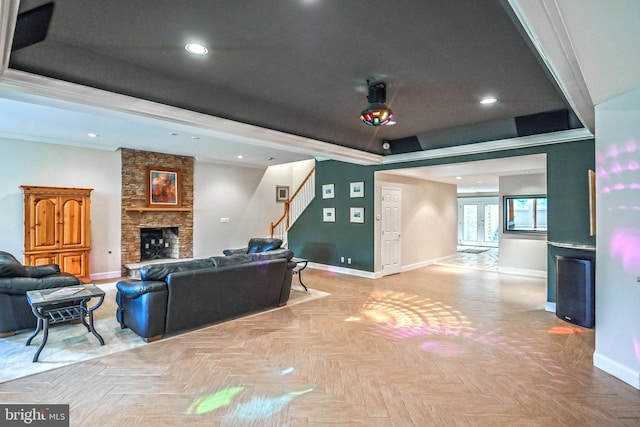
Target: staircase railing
point(294, 206)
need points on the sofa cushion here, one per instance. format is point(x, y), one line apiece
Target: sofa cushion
point(160, 271)
point(10, 267)
point(132, 288)
point(263, 244)
point(238, 251)
point(273, 254)
point(43, 270)
point(20, 285)
point(223, 261)
point(6, 256)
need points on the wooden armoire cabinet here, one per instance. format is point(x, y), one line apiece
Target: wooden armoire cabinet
point(57, 225)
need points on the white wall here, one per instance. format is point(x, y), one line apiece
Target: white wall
point(429, 219)
point(521, 253)
point(618, 238)
point(244, 195)
point(31, 163)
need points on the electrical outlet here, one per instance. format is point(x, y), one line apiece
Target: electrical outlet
point(348, 260)
point(341, 259)
point(224, 219)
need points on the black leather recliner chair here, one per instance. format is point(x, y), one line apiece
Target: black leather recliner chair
point(15, 281)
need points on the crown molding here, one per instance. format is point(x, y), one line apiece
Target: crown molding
point(490, 146)
point(61, 94)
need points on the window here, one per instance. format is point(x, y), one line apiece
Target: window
point(525, 214)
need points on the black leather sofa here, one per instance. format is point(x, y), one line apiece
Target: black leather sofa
point(170, 298)
point(15, 281)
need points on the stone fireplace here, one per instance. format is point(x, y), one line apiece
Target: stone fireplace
point(138, 216)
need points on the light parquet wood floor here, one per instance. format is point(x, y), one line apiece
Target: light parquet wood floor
point(437, 346)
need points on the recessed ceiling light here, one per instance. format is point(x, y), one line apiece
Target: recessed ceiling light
point(196, 49)
point(458, 177)
point(92, 135)
point(195, 137)
point(240, 156)
point(488, 100)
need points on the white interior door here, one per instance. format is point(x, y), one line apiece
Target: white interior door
point(478, 222)
point(391, 223)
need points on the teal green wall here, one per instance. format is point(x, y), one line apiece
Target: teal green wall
point(325, 243)
point(568, 188)
point(568, 208)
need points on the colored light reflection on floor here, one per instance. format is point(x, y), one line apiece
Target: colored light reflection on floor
point(256, 408)
point(404, 316)
point(214, 401)
point(564, 330)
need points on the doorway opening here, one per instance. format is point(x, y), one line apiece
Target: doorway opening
point(478, 222)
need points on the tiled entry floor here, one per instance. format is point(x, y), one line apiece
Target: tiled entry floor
point(487, 260)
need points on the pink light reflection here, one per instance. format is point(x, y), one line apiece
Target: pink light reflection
point(624, 245)
point(446, 349)
point(404, 316)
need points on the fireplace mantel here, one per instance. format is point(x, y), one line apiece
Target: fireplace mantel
point(141, 210)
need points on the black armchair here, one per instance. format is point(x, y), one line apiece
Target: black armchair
point(15, 281)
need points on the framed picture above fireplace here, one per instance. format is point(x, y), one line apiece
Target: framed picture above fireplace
point(163, 187)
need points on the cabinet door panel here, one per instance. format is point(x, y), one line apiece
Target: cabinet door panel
point(73, 262)
point(73, 231)
point(42, 259)
point(44, 224)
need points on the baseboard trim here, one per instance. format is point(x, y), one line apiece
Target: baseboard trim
point(377, 274)
point(106, 275)
point(343, 270)
point(426, 263)
point(523, 272)
point(623, 373)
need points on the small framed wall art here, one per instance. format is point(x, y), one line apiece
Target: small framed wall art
point(282, 193)
point(328, 191)
point(329, 214)
point(356, 215)
point(356, 189)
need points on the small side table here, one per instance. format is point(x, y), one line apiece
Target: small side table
point(302, 264)
point(59, 305)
